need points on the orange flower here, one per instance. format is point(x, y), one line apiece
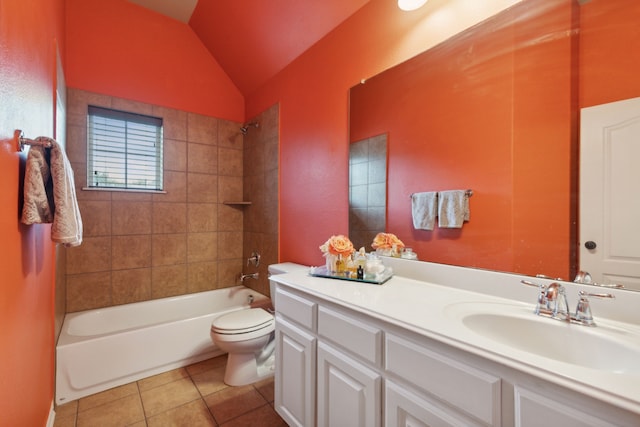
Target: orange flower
point(338, 245)
point(387, 241)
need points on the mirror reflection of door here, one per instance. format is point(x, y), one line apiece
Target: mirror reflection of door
point(367, 190)
point(609, 200)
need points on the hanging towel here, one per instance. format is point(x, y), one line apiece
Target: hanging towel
point(50, 193)
point(423, 210)
point(453, 208)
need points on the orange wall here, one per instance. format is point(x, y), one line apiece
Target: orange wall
point(28, 29)
point(609, 40)
point(117, 48)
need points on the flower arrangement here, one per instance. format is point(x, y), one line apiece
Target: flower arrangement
point(337, 245)
point(336, 250)
point(387, 244)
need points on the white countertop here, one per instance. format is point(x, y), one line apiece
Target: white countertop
point(434, 311)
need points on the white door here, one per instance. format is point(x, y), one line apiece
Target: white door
point(610, 192)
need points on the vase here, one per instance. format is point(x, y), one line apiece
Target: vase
point(331, 263)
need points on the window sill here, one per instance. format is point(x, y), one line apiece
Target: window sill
point(123, 190)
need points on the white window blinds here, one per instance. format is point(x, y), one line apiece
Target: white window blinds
point(124, 150)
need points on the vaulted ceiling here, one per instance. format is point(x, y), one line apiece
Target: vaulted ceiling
point(255, 39)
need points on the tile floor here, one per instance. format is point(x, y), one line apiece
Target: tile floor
point(193, 396)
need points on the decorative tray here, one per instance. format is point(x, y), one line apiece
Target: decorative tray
point(375, 279)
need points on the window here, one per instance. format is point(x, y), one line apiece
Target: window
point(124, 150)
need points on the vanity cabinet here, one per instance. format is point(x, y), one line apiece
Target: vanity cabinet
point(295, 374)
point(336, 366)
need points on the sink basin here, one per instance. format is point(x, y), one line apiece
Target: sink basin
point(602, 348)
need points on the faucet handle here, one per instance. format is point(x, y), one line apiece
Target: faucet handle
point(542, 296)
point(583, 310)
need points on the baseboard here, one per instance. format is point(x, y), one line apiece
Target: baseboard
point(52, 416)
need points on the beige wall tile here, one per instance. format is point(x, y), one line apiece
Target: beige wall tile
point(132, 106)
point(93, 255)
point(202, 276)
point(230, 188)
point(202, 188)
point(174, 122)
point(131, 217)
point(202, 217)
point(169, 217)
point(175, 155)
point(169, 249)
point(96, 218)
point(78, 100)
point(202, 129)
point(202, 158)
point(131, 252)
point(87, 291)
point(175, 185)
point(202, 247)
point(168, 280)
point(229, 271)
point(229, 245)
point(76, 143)
point(230, 218)
point(131, 285)
point(229, 134)
point(230, 162)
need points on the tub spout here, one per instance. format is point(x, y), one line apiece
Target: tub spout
point(244, 277)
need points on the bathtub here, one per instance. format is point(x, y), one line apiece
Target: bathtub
point(104, 348)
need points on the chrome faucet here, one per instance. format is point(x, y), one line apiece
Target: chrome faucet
point(552, 302)
point(244, 277)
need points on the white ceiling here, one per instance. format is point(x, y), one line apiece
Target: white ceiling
point(176, 9)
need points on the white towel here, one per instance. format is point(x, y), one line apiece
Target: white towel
point(423, 210)
point(50, 193)
point(453, 208)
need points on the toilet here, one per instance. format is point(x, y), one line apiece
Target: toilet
point(249, 339)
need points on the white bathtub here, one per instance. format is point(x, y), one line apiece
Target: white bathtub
point(104, 348)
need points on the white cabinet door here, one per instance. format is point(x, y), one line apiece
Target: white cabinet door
point(349, 393)
point(295, 374)
point(404, 408)
point(534, 410)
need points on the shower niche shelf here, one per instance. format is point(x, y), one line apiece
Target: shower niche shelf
point(236, 203)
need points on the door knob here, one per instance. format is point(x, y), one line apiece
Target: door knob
point(590, 245)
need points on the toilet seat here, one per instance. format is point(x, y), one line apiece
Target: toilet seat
point(243, 324)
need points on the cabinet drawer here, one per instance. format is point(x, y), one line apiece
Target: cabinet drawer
point(352, 334)
point(471, 390)
point(296, 308)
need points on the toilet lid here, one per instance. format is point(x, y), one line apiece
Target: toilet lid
point(242, 320)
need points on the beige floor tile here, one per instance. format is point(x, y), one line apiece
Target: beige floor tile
point(264, 416)
point(210, 381)
point(169, 396)
point(117, 413)
point(67, 409)
point(208, 364)
point(107, 396)
point(266, 389)
point(192, 414)
point(65, 421)
point(162, 379)
point(233, 402)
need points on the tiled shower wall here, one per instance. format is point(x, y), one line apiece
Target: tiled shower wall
point(141, 246)
point(261, 153)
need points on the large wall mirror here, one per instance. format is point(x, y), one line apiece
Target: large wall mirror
point(495, 109)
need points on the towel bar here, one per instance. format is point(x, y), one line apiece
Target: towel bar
point(468, 193)
point(21, 141)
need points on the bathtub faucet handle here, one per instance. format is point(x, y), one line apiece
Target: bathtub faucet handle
point(254, 259)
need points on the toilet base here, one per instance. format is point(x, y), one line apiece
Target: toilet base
point(242, 369)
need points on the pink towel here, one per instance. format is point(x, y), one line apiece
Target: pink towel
point(50, 193)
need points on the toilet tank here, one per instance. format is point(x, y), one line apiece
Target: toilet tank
point(282, 268)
